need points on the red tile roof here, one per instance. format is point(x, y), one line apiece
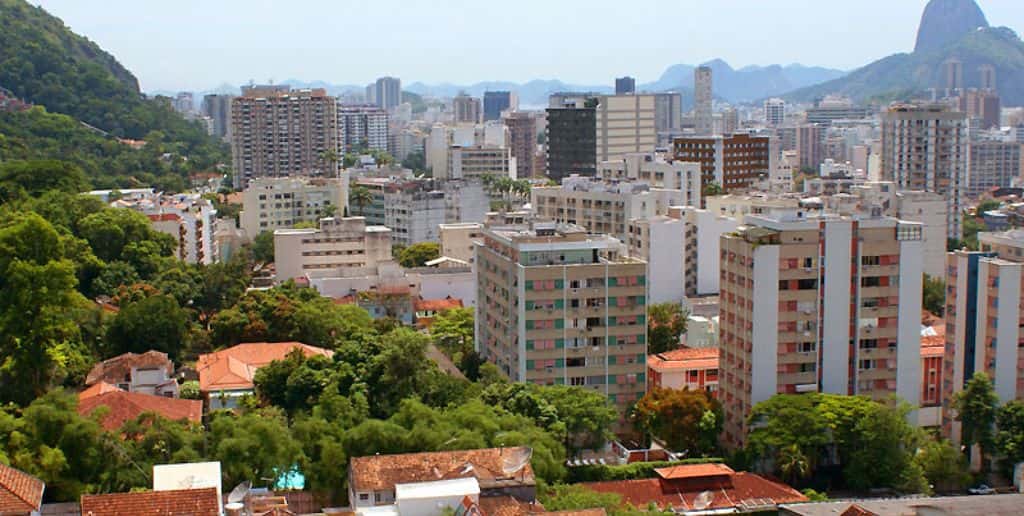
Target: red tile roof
point(124, 406)
point(693, 471)
point(741, 488)
point(507, 506)
point(437, 305)
point(164, 217)
point(233, 368)
point(20, 493)
point(114, 370)
point(684, 358)
point(382, 472)
point(98, 388)
point(185, 502)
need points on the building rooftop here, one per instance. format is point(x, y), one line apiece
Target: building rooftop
point(234, 368)
point(492, 467)
point(719, 491)
point(991, 505)
point(20, 493)
point(116, 369)
point(684, 358)
point(123, 406)
point(184, 502)
point(684, 471)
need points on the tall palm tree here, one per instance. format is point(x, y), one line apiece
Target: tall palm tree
point(360, 196)
point(793, 464)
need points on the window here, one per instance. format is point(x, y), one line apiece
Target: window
point(575, 362)
point(806, 347)
point(808, 367)
point(870, 260)
point(364, 497)
point(577, 381)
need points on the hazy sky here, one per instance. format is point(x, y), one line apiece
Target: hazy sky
point(199, 44)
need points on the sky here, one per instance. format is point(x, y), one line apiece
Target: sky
point(201, 44)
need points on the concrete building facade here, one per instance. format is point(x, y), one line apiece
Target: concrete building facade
point(732, 162)
point(702, 97)
point(363, 126)
point(269, 204)
point(339, 243)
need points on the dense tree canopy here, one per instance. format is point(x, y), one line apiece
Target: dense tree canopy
point(666, 324)
point(687, 421)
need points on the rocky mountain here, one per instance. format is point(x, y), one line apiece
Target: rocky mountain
point(945, 21)
point(748, 83)
point(905, 75)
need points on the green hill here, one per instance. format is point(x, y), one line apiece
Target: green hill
point(46, 64)
point(915, 73)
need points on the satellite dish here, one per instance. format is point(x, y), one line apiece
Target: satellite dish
point(703, 500)
point(516, 461)
point(239, 493)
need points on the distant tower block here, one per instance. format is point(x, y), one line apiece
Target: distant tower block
point(954, 73)
point(987, 76)
point(702, 95)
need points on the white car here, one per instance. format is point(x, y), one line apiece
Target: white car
point(981, 490)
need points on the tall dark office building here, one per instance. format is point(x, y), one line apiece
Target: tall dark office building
point(218, 108)
point(495, 102)
point(624, 85)
point(387, 92)
point(572, 141)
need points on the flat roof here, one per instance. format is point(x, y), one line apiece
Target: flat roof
point(437, 489)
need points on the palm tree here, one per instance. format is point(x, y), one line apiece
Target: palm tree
point(360, 196)
point(793, 464)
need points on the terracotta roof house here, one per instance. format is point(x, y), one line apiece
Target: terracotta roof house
point(702, 487)
point(150, 373)
point(226, 375)
point(691, 368)
point(123, 406)
point(426, 309)
point(20, 493)
point(499, 471)
point(184, 502)
point(508, 506)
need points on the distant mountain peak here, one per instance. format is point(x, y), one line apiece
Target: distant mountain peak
point(946, 21)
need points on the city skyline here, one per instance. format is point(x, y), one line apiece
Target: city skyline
point(172, 50)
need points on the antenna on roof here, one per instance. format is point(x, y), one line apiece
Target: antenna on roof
point(516, 461)
point(703, 500)
point(239, 493)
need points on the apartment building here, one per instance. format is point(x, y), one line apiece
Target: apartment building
point(466, 109)
point(386, 92)
point(733, 162)
point(188, 218)
point(278, 132)
point(571, 136)
point(774, 111)
point(924, 147)
point(602, 206)
point(558, 306)
point(339, 243)
point(684, 368)
point(702, 101)
point(522, 132)
point(993, 164)
point(985, 319)
point(495, 102)
point(362, 127)
point(654, 170)
point(625, 124)
point(458, 240)
point(274, 203)
point(413, 208)
point(466, 162)
point(783, 327)
point(218, 108)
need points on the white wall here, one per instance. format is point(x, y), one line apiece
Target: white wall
point(765, 353)
point(665, 261)
point(1008, 332)
point(908, 344)
point(835, 346)
point(710, 228)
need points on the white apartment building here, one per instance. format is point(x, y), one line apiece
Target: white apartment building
point(818, 304)
point(458, 240)
point(681, 251)
point(273, 203)
point(476, 161)
point(774, 111)
point(362, 126)
point(603, 206)
point(655, 171)
point(187, 217)
point(338, 243)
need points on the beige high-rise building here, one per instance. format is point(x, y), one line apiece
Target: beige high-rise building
point(467, 109)
point(625, 124)
point(522, 134)
point(821, 304)
point(924, 147)
point(339, 243)
point(556, 306)
point(476, 161)
point(277, 132)
point(702, 97)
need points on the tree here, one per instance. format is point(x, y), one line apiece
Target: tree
point(975, 408)
point(987, 205)
point(934, 295)
point(943, 465)
point(263, 247)
point(563, 497)
point(793, 464)
point(111, 230)
point(677, 416)
point(1009, 439)
point(418, 254)
point(156, 322)
point(360, 196)
point(712, 189)
point(882, 451)
point(452, 331)
point(253, 446)
point(415, 161)
point(666, 324)
point(32, 178)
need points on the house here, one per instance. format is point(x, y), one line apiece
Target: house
point(182, 502)
point(427, 309)
point(689, 368)
point(227, 375)
point(704, 487)
point(499, 472)
point(21, 494)
point(123, 406)
point(151, 372)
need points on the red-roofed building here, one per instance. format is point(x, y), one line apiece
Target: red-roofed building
point(692, 368)
point(226, 375)
point(123, 406)
point(20, 493)
point(702, 486)
point(426, 309)
point(184, 502)
point(151, 372)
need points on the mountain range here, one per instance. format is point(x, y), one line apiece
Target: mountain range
point(949, 29)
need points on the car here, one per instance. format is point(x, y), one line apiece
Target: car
point(981, 490)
